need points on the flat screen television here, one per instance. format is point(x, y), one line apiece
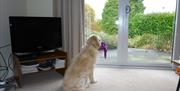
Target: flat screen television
point(35, 34)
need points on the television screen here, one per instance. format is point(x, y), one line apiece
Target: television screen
point(35, 34)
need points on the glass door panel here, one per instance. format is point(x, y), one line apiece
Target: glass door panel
point(150, 30)
point(99, 21)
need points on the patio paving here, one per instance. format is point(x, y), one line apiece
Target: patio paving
point(134, 54)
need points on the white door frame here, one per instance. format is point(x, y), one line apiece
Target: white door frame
point(122, 32)
point(176, 48)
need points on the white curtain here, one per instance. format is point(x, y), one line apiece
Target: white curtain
point(72, 13)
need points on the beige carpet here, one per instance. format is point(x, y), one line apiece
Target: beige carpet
point(109, 79)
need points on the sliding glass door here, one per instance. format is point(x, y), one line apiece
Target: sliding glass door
point(136, 32)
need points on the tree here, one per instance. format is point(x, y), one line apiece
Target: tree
point(110, 14)
point(96, 26)
point(89, 16)
point(90, 22)
point(137, 7)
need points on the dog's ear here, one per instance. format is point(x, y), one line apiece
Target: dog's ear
point(95, 41)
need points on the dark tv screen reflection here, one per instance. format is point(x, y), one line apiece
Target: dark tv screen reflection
point(35, 34)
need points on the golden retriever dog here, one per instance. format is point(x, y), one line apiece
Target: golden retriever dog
point(79, 74)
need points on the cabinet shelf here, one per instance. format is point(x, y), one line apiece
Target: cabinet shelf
point(39, 58)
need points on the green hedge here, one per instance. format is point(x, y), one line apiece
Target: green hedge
point(153, 31)
point(143, 41)
point(155, 23)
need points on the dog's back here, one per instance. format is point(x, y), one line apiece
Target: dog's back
point(79, 67)
point(76, 77)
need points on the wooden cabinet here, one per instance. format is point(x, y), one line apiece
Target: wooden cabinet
point(39, 58)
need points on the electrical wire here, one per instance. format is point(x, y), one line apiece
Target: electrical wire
point(9, 63)
point(5, 46)
point(5, 74)
point(4, 60)
point(4, 68)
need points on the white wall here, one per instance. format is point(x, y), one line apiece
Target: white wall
point(4, 36)
point(19, 8)
point(9, 8)
point(40, 7)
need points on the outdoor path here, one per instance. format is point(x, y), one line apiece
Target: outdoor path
point(140, 55)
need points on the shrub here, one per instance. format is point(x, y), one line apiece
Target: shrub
point(156, 24)
point(150, 41)
point(164, 42)
point(143, 41)
point(151, 31)
point(111, 40)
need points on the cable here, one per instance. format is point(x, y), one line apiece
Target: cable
point(9, 63)
point(5, 46)
point(8, 66)
point(3, 59)
point(4, 68)
point(5, 74)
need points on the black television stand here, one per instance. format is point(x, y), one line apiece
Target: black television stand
point(19, 60)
